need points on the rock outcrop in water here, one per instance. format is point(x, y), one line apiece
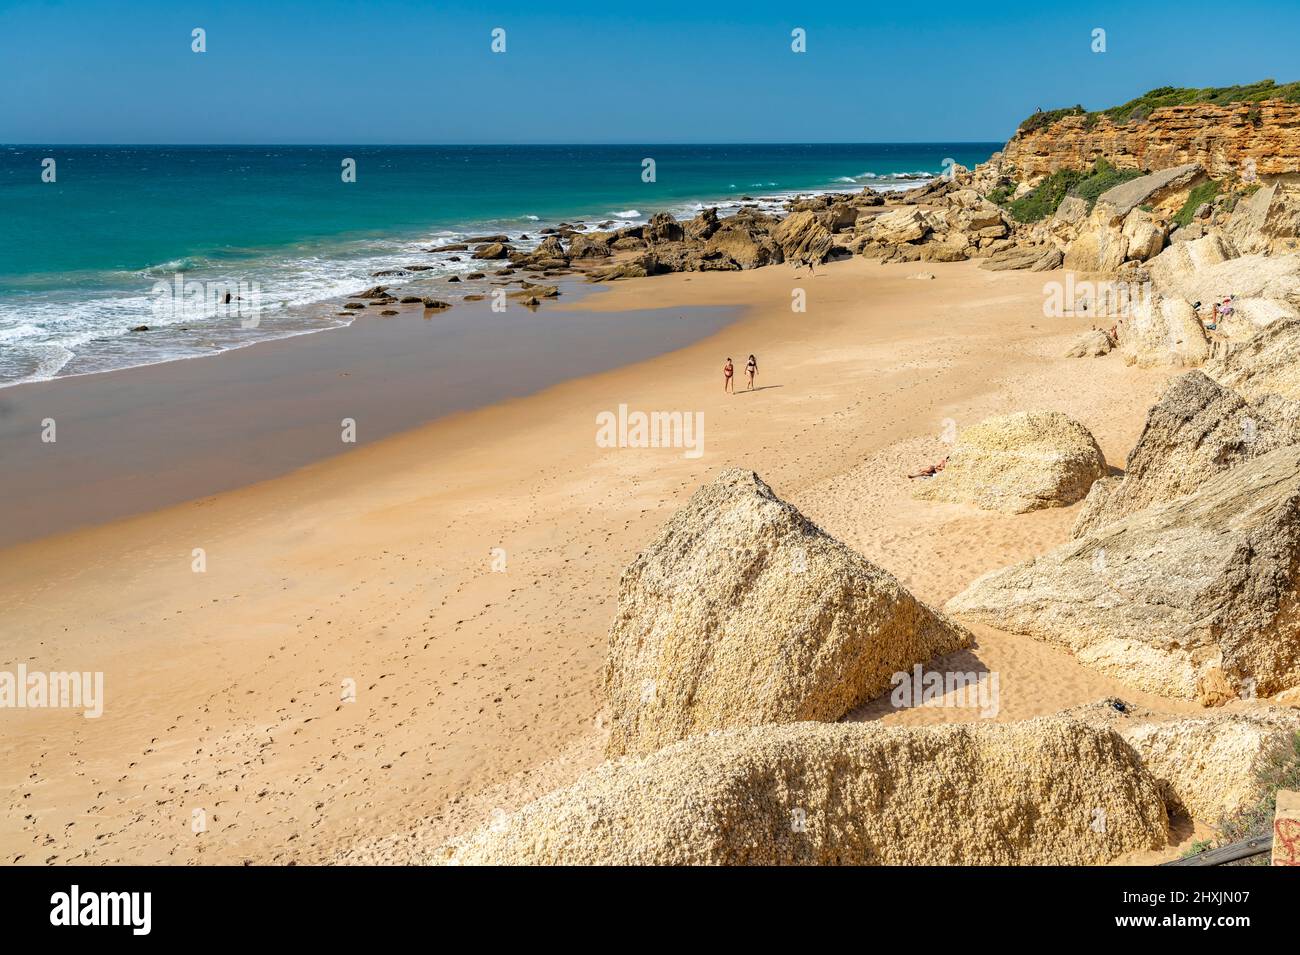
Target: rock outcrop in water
point(1017, 463)
point(846, 794)
point(743, 612)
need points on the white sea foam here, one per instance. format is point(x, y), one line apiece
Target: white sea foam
point(80, 324)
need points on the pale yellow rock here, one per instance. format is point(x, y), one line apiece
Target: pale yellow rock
point(1208, 767)
point(1163, 332)
point(1266, 364)
point(1048, 791)
point(742, 611)
point(1018, 462)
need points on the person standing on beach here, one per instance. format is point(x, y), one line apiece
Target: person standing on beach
point(727, 371)
point(751, 369)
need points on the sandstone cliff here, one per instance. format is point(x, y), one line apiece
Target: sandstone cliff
point(1220, 139)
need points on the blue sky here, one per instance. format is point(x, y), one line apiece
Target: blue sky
point(345, 71)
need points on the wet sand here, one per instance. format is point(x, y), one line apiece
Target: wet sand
point(142, 438)
point(462, 575)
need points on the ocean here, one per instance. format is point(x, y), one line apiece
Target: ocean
point(83, 258)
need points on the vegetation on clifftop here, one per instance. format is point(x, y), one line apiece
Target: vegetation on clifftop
point(1139, 109)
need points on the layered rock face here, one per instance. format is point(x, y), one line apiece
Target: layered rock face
point(1268, 221)
point(846, 794)
point(1162, 331)
point(1196, 598)
point(1220, 139)
point(1017, 463)
point(743, 611)
point(1198, 429)
point(1268, 364)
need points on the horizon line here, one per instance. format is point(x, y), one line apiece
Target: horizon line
point(882, 142)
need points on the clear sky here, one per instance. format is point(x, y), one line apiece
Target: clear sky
point(389, 71)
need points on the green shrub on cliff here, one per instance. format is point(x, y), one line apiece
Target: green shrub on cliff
point(1138, 109)
point(1043, 201)
point(1040, 119)
point(1046, 196)
point(1205, 192)
point(1103, 176)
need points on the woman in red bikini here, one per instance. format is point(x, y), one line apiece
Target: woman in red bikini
point(727, 371)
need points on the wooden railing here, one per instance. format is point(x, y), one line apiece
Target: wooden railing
point(1230, 853)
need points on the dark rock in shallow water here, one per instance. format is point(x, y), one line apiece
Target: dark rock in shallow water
point(436, 303)
point(385, 273)
point(418, 268)
point(355, 305)
point(492, 250)
point(411, 299)
point(140, 328)
point(378, 291)
point(453, 278)
point(450, 247)
point(498, 239)
point(475, 275)
point(474, 298)
point(389, 311)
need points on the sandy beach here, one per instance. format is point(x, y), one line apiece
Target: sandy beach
point(461, 575)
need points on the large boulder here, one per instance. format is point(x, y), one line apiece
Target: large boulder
point(1162, 332)
point(1037, 258)
point(589, 245)
point(1018, 462)
point(1195, 598)
point(1028, 793)
point(899, 226)
point(802, 237)
point(1268, 220)
point(1152, 189)
point(704, 224)
point(1144, 235)
point(742, 611)
point(745, 243)
point(1266, 364)
point(1198, 429)
point(1204, 271)
point(1208, 767)
point(662, 227)
point(1101, 246)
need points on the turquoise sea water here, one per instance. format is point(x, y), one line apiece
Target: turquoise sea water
point(80, 256)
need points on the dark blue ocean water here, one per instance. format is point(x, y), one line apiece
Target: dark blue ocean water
point(80, 256)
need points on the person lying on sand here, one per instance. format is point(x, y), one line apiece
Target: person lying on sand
point(931, 471)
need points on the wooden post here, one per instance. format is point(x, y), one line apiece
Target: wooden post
point(1286, 828)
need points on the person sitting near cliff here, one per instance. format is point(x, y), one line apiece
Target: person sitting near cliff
point(930, 471)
